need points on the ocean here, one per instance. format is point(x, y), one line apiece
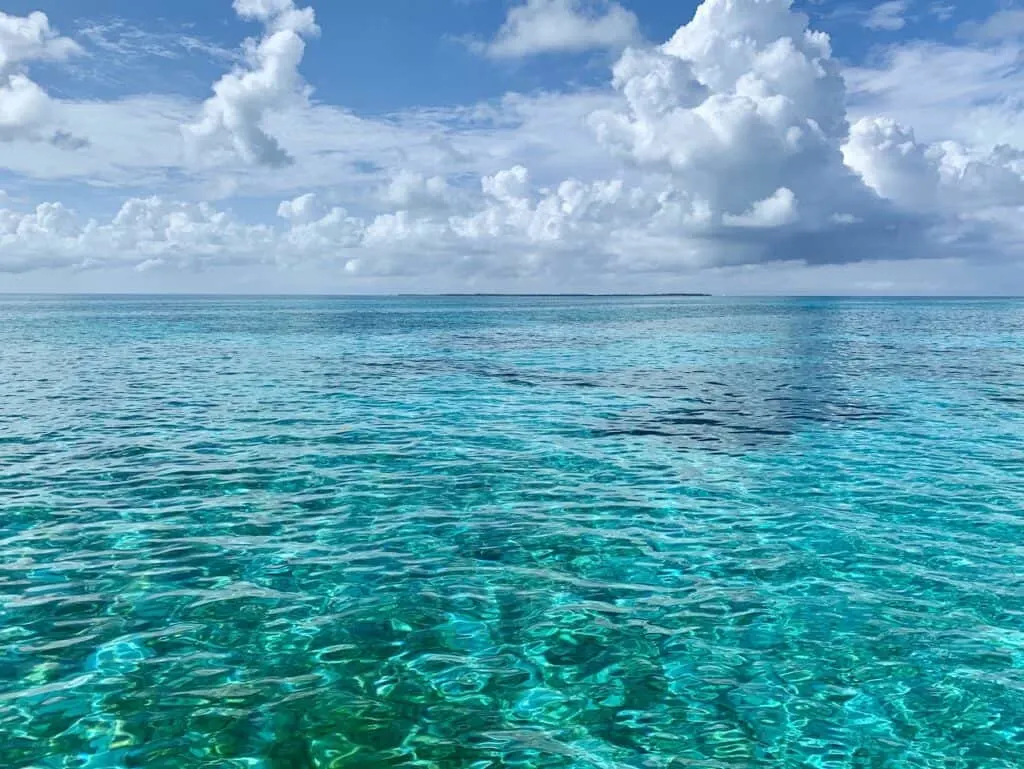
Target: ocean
point(490, 532)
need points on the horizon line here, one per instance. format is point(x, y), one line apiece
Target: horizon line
point(488, 294)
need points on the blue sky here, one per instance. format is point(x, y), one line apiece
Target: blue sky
point(416, 50)
point(527, 144)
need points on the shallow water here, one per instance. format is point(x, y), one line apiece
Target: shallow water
point(294, 533)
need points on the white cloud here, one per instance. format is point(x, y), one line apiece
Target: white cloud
point(135, 147)
point(942, 10)
point(125, 43)
point(744, 110)
point(411, 190)
point(775, 211)
point(726, 152)
point(513, 231)
point(30, 38)
point(301, 210)
point(509, 228)
point(270, 81)
point(154, 231)
point(552, 26)
point(976, 197)
point(25, 108)
point(944, 176)
point(1001, 25)
point(133, 143)
point(888, 16)
point(965, 92)
point(891, 162)
point(145, 233)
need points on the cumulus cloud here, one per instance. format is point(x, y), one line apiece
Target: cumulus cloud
point(552, 26)
point(269, 80)
point(411, 190)
point(774, 211)
point(891, 162)
point(510, 226)
point(945, 176)
point(143, 234)
point(977, 197)
point(744, 110)
point(736, 133)
point(25, 108)
point(888, 16)
point(727, 146)
point(301, 210)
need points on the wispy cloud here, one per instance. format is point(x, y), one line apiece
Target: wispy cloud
point(1007, 24)
point(120, 39)
point(126, 58)
point(888, 16)
point(942, 10)
point(969, 93)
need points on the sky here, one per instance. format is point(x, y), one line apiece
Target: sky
point(320, 146)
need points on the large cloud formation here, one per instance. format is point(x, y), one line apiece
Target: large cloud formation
point(270, 80)
point(744, 109)
point(730, 145)
point(25, 108)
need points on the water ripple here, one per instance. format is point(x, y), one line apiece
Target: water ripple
point(299, 533)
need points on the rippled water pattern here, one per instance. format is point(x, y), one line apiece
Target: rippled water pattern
point(688, 533)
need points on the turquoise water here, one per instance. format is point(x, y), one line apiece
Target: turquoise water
point(687, 533)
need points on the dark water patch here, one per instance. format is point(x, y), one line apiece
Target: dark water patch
point(1011, 400)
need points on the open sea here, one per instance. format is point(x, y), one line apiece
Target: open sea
point(572, 533)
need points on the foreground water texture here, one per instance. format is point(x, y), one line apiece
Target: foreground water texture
point(296, 533)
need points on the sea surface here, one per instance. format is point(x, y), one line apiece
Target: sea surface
point(286, 533)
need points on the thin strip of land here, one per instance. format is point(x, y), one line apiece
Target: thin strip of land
point(561, 296)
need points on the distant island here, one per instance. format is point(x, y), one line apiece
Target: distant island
point(563, 296)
